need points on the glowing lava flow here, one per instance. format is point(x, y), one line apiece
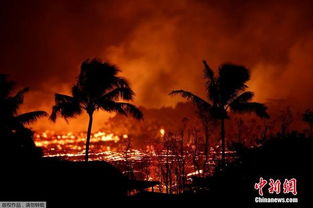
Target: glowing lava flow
point(70, 137)
point(71, 145)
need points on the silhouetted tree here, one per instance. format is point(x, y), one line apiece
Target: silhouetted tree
point(17, 140)
point(225, 92)
point(97, 88)
point(308, 118)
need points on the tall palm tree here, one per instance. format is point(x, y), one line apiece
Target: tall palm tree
point(12, 125)
point(225, 92)
point(97, 88)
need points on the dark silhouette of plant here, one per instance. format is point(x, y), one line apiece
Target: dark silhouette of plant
point(286, 118)
point(280, 156)
point(17, 141)
point(97, 88)
point(308, 118)
point(225, 92)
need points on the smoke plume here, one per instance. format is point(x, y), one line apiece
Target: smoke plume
point(158, 45)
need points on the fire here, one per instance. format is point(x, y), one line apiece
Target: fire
point(162, 132)
point(71, 146)
point(105, 137)
point(70, 137)
point(53, 142)
point(110, 147)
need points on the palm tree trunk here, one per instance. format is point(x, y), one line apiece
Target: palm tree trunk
point(223, 141)
point(88, 136)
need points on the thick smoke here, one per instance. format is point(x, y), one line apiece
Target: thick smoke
point(158, 45)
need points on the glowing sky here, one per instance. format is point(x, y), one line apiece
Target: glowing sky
point(158, 45)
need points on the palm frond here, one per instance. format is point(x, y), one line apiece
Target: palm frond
point(232, 79)
point(13, 103)
point(120, 82)
point(258, 108)
point(211, 87)
point(60, 98)
point(6, 86)
point(131, 109)
point(199, 102)
point(120, 93)
point(29, 117)
point(66, 106)
point(97, 77)
point(208, 72)
point(19, 97)
point(78, 94)
point(242, 98)
point(120, 107)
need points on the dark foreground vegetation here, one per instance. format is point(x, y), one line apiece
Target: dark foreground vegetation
point(59, 182)
point(280, 157)
point(25, 175)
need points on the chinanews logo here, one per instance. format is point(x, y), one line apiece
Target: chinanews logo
point(281, 190)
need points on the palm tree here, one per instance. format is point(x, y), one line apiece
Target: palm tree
point(9, 105)
point(12, 125)
point(225, 92)
point(97, 88)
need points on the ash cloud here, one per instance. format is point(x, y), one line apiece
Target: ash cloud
point(158, 45)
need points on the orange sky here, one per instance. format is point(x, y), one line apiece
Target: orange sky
point(158, 45)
